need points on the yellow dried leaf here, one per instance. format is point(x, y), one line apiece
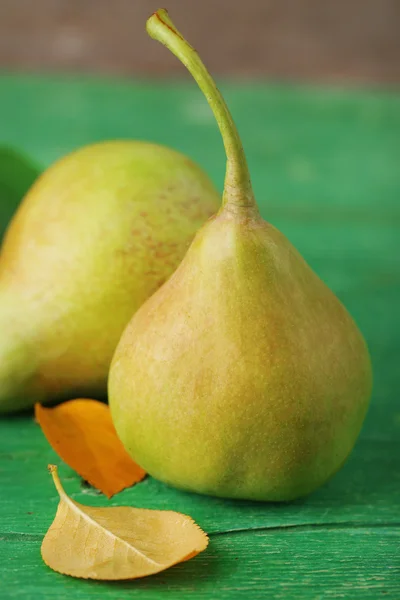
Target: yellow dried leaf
point(82, 433)
point(117, 542)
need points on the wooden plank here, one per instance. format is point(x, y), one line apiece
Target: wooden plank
point(366, 491)
point(306, 564)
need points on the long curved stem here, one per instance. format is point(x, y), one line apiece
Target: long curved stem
point(238, 193)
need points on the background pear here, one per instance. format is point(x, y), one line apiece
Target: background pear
point(243, 376)
point(96, 235)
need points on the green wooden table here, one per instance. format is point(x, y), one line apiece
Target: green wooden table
point(326, 171)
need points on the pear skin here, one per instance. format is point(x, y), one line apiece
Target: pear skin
point(243, 376)
point(94, 237)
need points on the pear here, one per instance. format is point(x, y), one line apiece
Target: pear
point(243, 376)
point(94, 237)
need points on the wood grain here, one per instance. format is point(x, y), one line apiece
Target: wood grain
point(323, 563)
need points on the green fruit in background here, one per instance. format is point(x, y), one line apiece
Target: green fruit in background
point(243, 376)
point(96, 235)
point(17, 174)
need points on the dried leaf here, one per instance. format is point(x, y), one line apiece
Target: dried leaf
point(83, 435)
point(117, 542)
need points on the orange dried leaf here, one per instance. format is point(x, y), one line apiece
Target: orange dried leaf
point(83, 435)
point(117, 542)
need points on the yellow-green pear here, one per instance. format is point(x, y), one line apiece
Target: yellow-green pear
point(243, 376)
point(96, 235)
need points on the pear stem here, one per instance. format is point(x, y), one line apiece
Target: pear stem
point(238, 193)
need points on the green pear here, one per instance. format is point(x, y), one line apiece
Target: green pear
point(95, 236)
point(243, 376)
point(17, 174)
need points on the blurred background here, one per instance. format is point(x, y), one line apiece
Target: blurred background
point(345, 41)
